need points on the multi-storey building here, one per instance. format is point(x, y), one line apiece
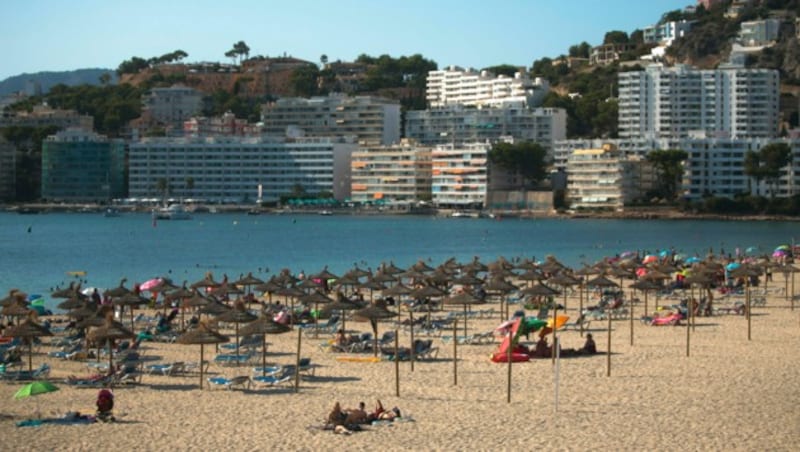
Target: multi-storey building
point(456, 86)
point(81, 166)
point(606, 179)
point(395, 174)
point(171, 106)
point(7, 170)
point(714, 165)
point(372, 120)
point(234, 169)
point(608, 53)
point(225, 125)
point(759, 32)
point(459, 177)
point(43, 115)
point(662, 102)
point(666, 32)
point(458, 124)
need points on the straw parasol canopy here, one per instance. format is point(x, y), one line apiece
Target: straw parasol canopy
point(262, 326)
point(15, 309)
point(14, 297)
point(130, 299)
point(248, 281)
point(201, 335)
point(377, 311)
point(391, 269)
point(61, 293)
point(28, 330)
point(465, 299)
point(500, 286)
point(342, 304)
point(421, 267)
point(540, 290)
point(71, 303)
point(601, 281)
point(117, 291)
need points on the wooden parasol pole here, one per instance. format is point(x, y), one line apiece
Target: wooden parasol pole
point(508, 352)
point(608, 353)
point(455, 352)
point(397, 362)
point(413, 352)
point(297, 361)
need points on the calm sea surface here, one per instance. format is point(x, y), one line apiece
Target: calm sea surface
point(39, 250)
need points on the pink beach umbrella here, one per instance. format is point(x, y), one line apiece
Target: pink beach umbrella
point(150, 283)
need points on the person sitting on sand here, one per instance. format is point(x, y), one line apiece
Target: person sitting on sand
point(105, 405)
point(336, 416)
point(589, 348)
point(356, 416)
point(542, 350)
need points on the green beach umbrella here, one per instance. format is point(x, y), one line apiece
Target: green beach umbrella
point(35, 388)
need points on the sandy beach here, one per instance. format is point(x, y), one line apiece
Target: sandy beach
point(731, 393)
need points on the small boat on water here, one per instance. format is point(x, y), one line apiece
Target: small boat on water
point(173, 212)
point(462, 214)
point(325, 212)
point(111, 213)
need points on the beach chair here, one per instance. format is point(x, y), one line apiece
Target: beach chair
point(169, 369)
point(582, 320)
point(37, 374)
point(242, 382)
point(273, 380)
point(232, 359)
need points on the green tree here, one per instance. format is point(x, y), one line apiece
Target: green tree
point(189, 182)
point(162, 186)
point(526, 159)
point(304, 81)
point(752, 168)
point(669, 164)
point(615, 37)
point(774, 158)
point(581, 50)
point(132, 66)
point(503, 69)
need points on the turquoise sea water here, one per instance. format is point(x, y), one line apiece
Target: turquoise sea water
point(39, 250)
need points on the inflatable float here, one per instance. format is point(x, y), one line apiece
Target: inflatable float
point(515, 357)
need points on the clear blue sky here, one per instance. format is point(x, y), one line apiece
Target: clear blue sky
point(55, 35)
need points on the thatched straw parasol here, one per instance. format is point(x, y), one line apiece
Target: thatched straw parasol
point(236, 315)
point(502, 287)
point(264, 325)
point(130, 299)
point(117, 291)
point(28, 330)
point(201, 335)
point(377, 311)
point(110, 331)
point(464, 298)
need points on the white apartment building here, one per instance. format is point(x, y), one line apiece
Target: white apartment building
point(459, 124)
point(457, 86)
point(715, 165)
point(172, 106)
point(371, 120)
point(666, 32)
point(662, 102)
point(395, 174)
point(605, 179)
point(459, 176)
point(231, 169)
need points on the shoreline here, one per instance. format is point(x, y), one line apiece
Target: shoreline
point(631, 214)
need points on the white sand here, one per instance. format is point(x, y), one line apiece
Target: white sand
point(730, 394)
